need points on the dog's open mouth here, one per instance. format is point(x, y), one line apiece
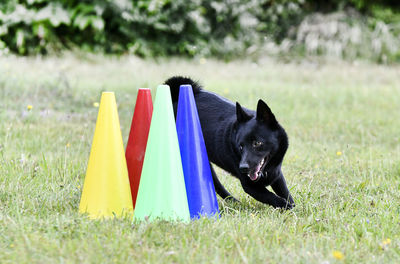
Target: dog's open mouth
point(256, 174)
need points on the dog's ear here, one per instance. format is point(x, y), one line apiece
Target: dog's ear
point(241, 115)
point(265, 114)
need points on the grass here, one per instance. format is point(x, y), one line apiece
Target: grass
point(342, 166)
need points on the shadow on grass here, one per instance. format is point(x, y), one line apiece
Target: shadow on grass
point(236, 208)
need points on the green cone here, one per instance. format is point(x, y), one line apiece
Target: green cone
point(162, 191)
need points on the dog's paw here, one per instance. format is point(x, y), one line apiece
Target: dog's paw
point(231, 199)
point(284, 204)
point(290, 205)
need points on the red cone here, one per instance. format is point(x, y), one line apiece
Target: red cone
point(136, 147)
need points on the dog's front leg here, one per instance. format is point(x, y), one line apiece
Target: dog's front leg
point(281, 189)
point(261, 194)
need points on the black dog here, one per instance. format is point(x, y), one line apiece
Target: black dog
point(250, 145)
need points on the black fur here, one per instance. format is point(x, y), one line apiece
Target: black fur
point(239, 141)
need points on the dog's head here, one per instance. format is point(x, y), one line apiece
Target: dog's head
point(259, 140)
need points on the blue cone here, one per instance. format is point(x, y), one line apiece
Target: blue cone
point(196, 167)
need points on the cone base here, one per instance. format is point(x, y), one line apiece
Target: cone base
point(107, 215)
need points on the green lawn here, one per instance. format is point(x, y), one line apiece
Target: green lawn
point(342, 166)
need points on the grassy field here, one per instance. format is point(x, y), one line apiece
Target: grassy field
point(342, 166)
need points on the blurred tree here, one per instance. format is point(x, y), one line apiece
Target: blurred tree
point(222, 28)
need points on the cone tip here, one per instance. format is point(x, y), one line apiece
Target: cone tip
point(185, 86)
point(108, 95)
point(163, 86)
point(144, 89)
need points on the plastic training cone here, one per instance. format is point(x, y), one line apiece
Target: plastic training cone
point(200, 190)
point(136, 146)
point(162, 192)
point(106, 191)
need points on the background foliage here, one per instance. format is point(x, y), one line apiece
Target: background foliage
point(223, 28)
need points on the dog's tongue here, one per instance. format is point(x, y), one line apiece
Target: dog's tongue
point(254, 176)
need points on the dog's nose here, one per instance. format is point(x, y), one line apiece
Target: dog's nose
point(244, 167)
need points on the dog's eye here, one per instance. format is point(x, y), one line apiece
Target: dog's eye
point(257, 144)
point(240, 147)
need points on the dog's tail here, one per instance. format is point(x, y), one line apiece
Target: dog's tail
point(176, 81)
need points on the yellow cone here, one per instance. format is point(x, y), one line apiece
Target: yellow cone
point(106, 191)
